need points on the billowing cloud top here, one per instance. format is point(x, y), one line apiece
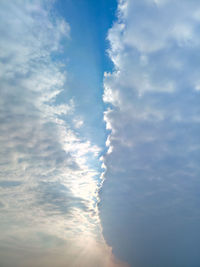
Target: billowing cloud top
point(150, 198)
point(49, 193)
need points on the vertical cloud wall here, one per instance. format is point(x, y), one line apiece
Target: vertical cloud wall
point(150, 199)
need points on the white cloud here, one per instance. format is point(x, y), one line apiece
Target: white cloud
point(49, 193)
point(149, 200)
point(78, 123)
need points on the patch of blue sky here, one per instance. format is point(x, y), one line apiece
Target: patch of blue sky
point(87, 60)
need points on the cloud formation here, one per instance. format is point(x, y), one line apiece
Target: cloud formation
point(150, 197)
point(49, 193)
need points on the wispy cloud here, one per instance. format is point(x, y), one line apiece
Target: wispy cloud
point(150, 198)
point(49, 193)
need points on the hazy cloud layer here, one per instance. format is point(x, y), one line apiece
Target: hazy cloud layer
point(48, 192)
point(150, 199)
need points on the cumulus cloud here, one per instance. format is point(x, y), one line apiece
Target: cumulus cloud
point(150, 197)
point(48, 191)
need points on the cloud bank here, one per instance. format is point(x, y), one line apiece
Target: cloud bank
point(48, 191)
point(150, 200)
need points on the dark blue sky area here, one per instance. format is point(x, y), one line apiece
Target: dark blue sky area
point(89, 21)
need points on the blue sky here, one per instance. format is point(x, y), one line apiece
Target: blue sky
point(87, 58)
point(99, 140)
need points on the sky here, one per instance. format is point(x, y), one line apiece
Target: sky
point(99, 133)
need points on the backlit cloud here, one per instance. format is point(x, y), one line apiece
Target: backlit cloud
point(49, 193)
